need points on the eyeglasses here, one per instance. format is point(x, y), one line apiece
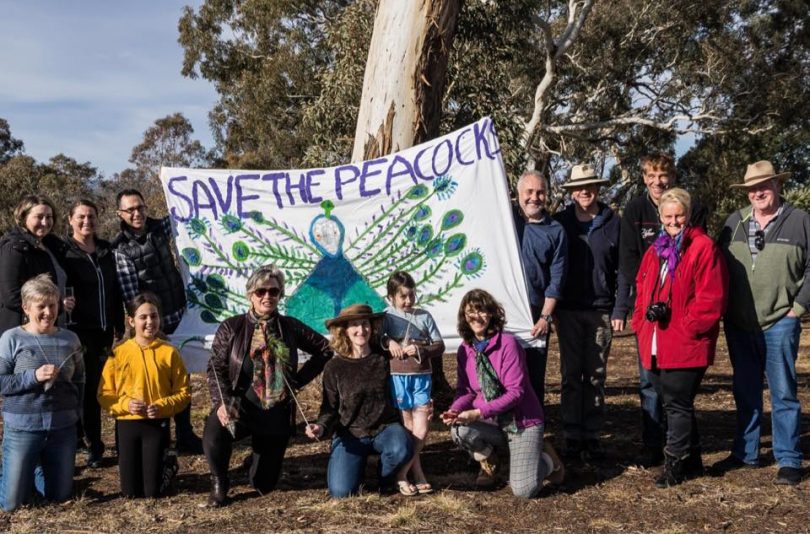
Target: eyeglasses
point(262, 291)
point(759, 239)
point(134, 209)
point(476, 313)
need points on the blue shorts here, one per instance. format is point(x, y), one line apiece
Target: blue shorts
point(411, 391)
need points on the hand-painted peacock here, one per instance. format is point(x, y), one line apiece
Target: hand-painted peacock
point(327, 272)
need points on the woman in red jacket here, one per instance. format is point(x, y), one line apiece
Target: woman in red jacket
point(682, 286)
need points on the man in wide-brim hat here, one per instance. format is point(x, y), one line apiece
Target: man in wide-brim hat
point(767, 246)
point(585, 315)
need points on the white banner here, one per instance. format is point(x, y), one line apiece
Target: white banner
point(440, 211)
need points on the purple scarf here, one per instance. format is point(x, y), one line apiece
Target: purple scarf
point(668, 249)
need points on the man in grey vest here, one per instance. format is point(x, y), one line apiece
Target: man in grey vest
point(144, 262)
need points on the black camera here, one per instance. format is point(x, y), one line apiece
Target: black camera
point(657, 312)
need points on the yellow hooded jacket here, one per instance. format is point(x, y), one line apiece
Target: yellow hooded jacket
point(154, 374)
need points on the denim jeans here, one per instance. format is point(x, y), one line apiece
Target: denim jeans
point(348, 459)
point(585, 337)
point(52, 451)
point(653, 423)
point(771, 353)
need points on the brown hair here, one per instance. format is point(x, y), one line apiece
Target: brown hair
point(480, 300)
point(27, 203)
point(82, 202)
point(397, 280)
point(658, 162)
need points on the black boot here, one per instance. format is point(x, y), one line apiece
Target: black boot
point(693, 465)
point(219, 491)
point(673, 472)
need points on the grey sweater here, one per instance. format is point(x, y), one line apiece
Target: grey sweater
point(26, 403)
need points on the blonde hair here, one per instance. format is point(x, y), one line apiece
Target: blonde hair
point(28, 202)
point(40, 287)
point(676, 195)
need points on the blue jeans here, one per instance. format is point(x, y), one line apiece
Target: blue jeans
point(652, 410)
point(348, 459)
point(771, 353)
point(24, 451)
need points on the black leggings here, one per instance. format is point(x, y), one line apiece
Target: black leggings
point(268, 452)
point(142, 443)
point(97, 345)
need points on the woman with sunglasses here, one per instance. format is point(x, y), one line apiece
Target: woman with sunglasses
point(252, 376)
point(682, 287)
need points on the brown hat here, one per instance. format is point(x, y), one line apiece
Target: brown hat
point(759, 172)
point(583, 175)
point(354, 312)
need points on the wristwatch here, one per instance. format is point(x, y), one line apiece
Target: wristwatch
point(548, 318)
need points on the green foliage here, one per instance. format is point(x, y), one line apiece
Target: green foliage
point(63, 180)
point(9, 146)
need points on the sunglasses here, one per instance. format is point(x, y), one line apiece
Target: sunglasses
point(262, 291)
point(759, 239)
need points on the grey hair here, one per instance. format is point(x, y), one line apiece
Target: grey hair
point(262, 275)
point(676, 195)
point(535, 173)
point(40, 287)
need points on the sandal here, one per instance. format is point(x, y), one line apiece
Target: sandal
point(406, 488)
point(424, 488)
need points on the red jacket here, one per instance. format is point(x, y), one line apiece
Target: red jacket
point(699, 294)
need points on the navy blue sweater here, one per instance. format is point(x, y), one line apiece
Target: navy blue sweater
point(593, 262)
point(543, 249)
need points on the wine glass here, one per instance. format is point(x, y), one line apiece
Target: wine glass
point(69, 293)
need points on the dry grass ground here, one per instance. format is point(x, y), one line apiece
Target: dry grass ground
point(612, 497)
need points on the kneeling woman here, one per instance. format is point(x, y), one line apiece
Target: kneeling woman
point(142, 386)
point(495, 406)
point(357, 406)
point(41, 378)
point(682, 286)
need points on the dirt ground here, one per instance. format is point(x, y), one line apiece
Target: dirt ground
point(610, 497)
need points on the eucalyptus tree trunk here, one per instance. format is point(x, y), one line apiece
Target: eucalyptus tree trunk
point(405, 75)
point(403, 88)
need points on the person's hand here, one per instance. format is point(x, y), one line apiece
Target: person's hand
point(223, 415)
point(411, 350)
point(396, 350)
point(152, 411)
point(792, 314)
point(449, 417)
point(468, 416)
point(136, 407)
point(314, 431)
point(46, 372)
point(540, 328)
point(69, 303)
point(617, 324)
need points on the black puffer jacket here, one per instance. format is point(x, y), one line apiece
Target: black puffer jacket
point(20, 260)
point(151, 253)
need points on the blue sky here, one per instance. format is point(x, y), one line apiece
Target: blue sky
point(87, 78)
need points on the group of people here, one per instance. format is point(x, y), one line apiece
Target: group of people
point(583, 267)
point(65, 300)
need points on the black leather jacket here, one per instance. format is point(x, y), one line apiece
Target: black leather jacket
point(231, 345)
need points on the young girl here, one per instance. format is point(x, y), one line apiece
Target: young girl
point(142, 386)
point(413, 340)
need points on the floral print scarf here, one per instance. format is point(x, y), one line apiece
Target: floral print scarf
point(270, 356)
